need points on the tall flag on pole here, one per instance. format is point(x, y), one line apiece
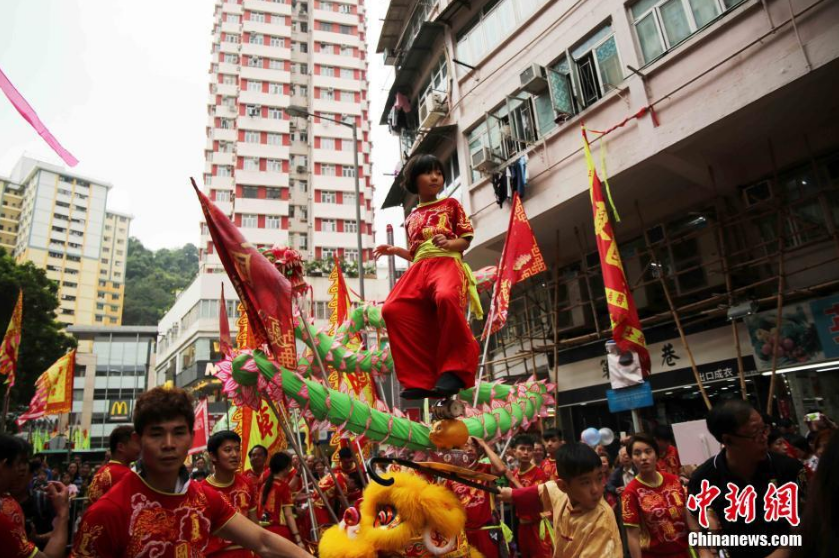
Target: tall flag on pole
point(201, 428)
point(11, 344)
point(520, 259)
point(225, 345)
point(626, 326)
point(339, 304)
point(53, 390)
point(264, 292)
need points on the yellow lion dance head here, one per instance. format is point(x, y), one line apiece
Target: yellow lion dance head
point(411, 518)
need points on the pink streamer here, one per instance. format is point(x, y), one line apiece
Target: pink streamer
point(28, 113)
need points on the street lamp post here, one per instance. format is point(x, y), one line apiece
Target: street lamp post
point(294, 110)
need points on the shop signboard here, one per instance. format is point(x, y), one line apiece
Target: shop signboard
point(626, 399)
point(119, 410)
point(809, 333)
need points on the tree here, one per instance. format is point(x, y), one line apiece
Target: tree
point(153, 279)
point(43, 340)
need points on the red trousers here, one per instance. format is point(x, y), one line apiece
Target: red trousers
point(427, 327)
point(530, 545)
point(481, 540)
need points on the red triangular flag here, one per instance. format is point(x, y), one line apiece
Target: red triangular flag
point(225, 345)
point(262, 290)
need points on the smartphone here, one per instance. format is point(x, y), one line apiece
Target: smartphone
point(812, 417)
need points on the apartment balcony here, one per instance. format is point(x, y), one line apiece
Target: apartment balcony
point(350, 108)
point(228, 69)
point(337, 38)
point(262, 124)
point(230, 27)
point(331, 156)
point(218, 158)
point(276, 29)
point(224, 134)
point(341, 61)
point(227, 89)
point(337, 83)
point(268, 7)
point(336, 17)
point(224, 111)
point(263, 99)
point(262, 206)
point(266, 51)
point(266, 236)
point(259, 178)
point(337, 211)
point(262, 150)
point(342, 183)
point(229, 48)
point(263, 74)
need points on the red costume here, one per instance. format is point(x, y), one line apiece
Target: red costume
point(425, 311)
point(531, 545)
point(241, 494)
point(669, 462)
point(271, 513)
point(133, 519)
point(482, 531)
point(659, 512)
point(106, 477)
point(548, 465)
point(13, 538)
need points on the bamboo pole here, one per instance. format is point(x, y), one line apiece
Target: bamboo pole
point(588, 279)
point(741, 374)
point(529, 332)
point(673, 312)
point(555, 315)
point(779, 308)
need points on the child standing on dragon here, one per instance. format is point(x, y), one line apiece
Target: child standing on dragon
point(435, 353)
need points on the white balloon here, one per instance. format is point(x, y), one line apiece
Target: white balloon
point(607, 436)
point(590, 436)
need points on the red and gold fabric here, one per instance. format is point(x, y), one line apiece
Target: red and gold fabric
point(241, 494)
point(133, 519)
point(533, 539)
point(106, 477)
point(481, 531)
point(11, 345)
point(626, 326)
point(659, 512)
point(520, 259)
point(669, 461)
point(445, 216)
point(271, 513)
point(13, 538)
point(339, 302)
point(53, 390)
point(548, 465)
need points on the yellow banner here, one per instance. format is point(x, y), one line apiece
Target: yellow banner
point(60, 395)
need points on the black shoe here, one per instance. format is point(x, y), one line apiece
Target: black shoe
point(417, 393)
point(448, 384)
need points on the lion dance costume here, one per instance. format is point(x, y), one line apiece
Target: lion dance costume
point(411, 518)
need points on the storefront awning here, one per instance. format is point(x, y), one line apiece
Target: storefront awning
point(428, 144)
point(398, 12)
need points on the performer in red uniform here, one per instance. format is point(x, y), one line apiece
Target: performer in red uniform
point(124, 451)
point(483, 530)
point(276, 508)
point(225, 449)
point(552, 439)
point(157, 511)
point(13, 540)
point(434, 351)
point(258, 456)
point(531, 545)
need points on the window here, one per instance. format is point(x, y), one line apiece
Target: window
point(256, 39)
point(303, 241)
point(327, 196)
point(250, 192)
point(258, 17)
point(251, 136)
point(327, 143)
point(254, 86)
point(272, 222)
point(274, 165)
point(223, 195)
point(597, 65)
point(349, 198)
point(348, 171)
point(275, 113)
point(274, 64)
point(272, 193)
point(231, 58)
point(254, 62)
point(344, 8)
point(328, 253)
point(275, 88)
point(328, 94)
point(350, 226)
point(351, 254)
point(496, 21)
point(327, 71)
point(249, 221)
point(327, 170)
point(325, 26)
point(277, 42)
point(229, 38)
point(251, 163)
point(437, 80)
point(347, 73)
point(224, 170)
point(303, 185)
point(662, 24)
point(347, 50)
point(345, 29)
point(300, 47)
point(275, 139)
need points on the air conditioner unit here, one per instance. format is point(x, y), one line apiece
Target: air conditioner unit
point(254, 111)
point(575, 311)
point(484, 160)
point(534, 79)
point(433, 109)
point(301, 168)
point(757, 193)
point(292, 125)
point(390, 57)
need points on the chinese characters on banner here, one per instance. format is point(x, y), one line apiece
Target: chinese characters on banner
point(779, 502)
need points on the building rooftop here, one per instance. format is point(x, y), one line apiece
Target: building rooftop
point(80, 330)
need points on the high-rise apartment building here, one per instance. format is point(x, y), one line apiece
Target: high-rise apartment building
point(61, 224)
point(285, 179)
point(282, 179)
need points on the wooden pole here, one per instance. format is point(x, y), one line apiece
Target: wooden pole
point(557, 423)
point(663, 282)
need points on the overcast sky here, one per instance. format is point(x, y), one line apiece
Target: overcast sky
point(123, 86)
